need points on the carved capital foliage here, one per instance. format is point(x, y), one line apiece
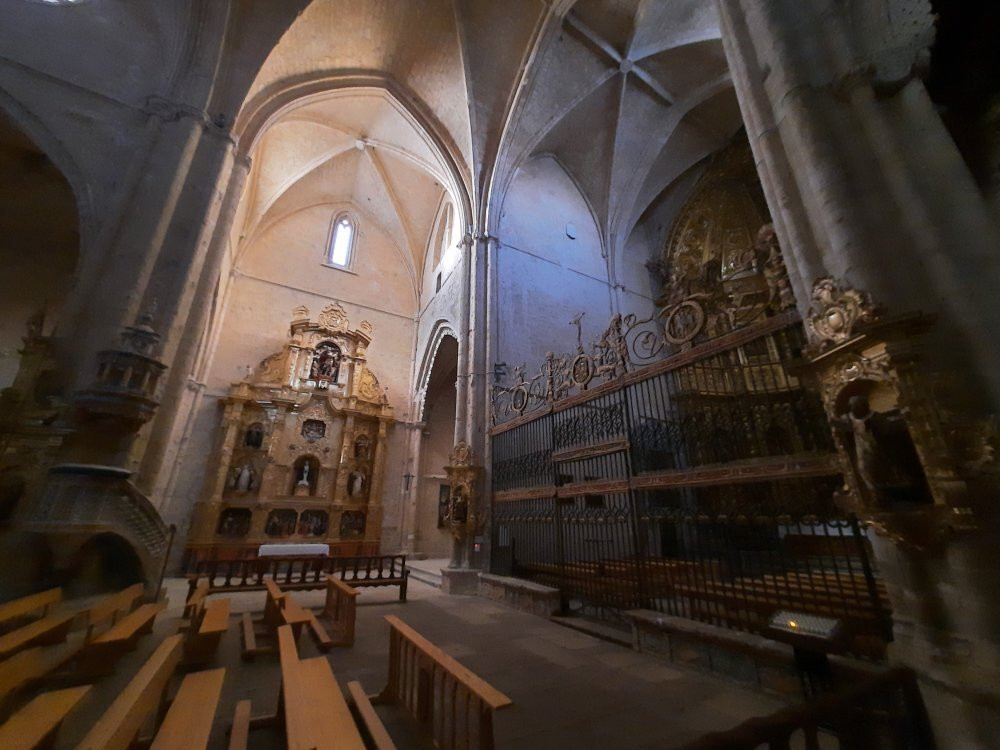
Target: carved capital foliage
point(837, 311)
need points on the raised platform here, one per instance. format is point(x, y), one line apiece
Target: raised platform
point(525, 596)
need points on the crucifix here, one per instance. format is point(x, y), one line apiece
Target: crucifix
point(579, 330)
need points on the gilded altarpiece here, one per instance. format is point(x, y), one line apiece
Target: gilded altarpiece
point(300, 452)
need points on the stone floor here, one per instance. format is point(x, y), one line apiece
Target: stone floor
point(569, 690)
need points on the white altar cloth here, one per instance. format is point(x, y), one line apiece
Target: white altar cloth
point(293, 550)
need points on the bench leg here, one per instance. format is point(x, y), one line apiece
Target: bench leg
point(402, 587)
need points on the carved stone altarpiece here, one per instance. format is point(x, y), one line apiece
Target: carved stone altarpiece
point(300, 450)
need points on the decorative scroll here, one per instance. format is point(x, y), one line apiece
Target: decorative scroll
point(837, 310)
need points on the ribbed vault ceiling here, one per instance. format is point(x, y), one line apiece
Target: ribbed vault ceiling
point(625, 94)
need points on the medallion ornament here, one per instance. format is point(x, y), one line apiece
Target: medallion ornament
point(837, 310)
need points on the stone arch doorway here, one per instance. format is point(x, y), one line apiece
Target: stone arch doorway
point(437, 440)
point(105, 562)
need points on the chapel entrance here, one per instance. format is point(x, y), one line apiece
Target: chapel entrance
point(433, 538)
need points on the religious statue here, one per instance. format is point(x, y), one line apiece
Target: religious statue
point(361, 447)
point(355, 483)
point(775, 274)
point(326, 362)
point(242, 479)
point(304, 478)
point(883, 455)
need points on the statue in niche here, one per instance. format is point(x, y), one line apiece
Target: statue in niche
point(325, 363)
point(254, 436)
point(352, 524)
point(242, 479)
point(281, 523)
point(883, 455)
point(313, 523)
point(304, 477)
point(362, 447)
point(234, 523)
point(355, 483)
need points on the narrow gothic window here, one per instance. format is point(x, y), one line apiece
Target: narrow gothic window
point(341, 243)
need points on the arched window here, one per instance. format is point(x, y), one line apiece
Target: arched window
point(340, 253)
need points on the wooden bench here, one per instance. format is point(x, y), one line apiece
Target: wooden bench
point(32, 665)
point(450, 703)
point(196, 599)
point(279, 609)
point(98, 656)
point(205, 631)
point(37, 723)
point(188, 722)
point(105, 613)
point(120, 724)
point(311, 706)
point(49, 630)
point(339, 612)
point(28, 607)
point(378, 736)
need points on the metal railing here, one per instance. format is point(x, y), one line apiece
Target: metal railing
point(702, 486)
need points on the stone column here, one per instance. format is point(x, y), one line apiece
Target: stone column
point(462, 381)
point(166, 433)
point(865, 184)
point(408, 527)
point(852, 158)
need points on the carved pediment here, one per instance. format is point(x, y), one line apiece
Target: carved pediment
point(837, 311)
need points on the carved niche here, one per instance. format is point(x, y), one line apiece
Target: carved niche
point(463, 515)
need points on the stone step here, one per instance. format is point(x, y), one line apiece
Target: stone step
point(425, 574)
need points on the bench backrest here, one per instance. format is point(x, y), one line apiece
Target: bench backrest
point(341, 608)
point(27, 605)
point(123, 719)
point(196, 600)
point(453, 705)
point(106, 610)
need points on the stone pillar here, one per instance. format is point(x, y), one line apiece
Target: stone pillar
point(865, 185)
point(166, 433)
point(852, 159)
point(463, 381)
point(408, 527)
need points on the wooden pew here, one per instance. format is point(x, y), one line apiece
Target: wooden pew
point(316, 715)
point(279, 609)
point(120, 724)
point(373, 725)
point(37, 723)
point(239, 732)
point(97, 658)
point(106, 612)
point(311, 707)
point(49, 630)
point(450, 703)
point(28, 607)
point(205, 632)
point(188, 722)
point(31, 665)
point(196, 599)
point(339, 613)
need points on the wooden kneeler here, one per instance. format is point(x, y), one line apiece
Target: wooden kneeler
point(279, 609)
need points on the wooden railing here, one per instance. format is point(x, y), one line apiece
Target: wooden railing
point(299, 573)
point(450, 703)
point(883, 712)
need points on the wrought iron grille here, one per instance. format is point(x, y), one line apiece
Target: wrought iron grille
point(701, 487)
